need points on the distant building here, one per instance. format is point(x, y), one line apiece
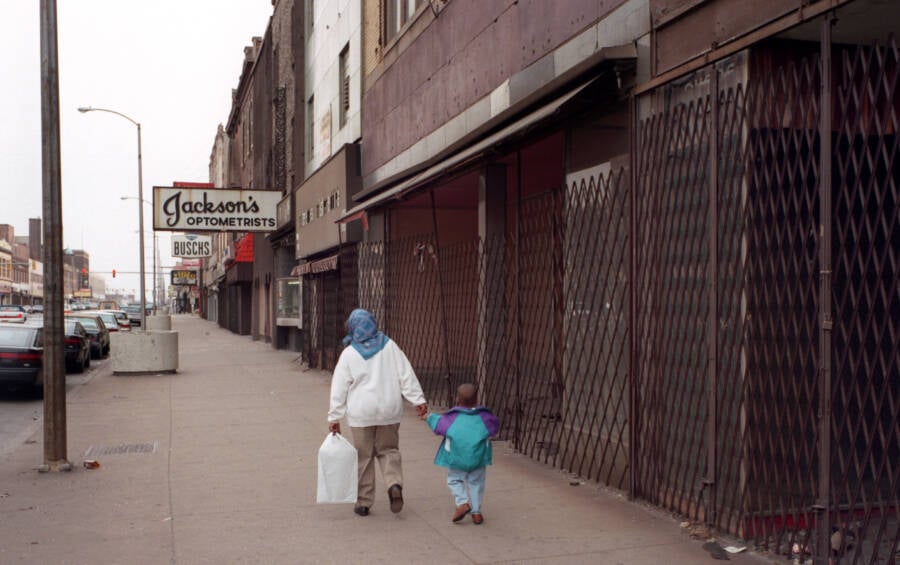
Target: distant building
point(261, 147)
point(35, 239)
point(21, 280)
point(6, 272)
point(19, 291)
point(98, 285)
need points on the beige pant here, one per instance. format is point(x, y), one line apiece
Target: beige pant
point(381, 443)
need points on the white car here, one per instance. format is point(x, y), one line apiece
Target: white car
point(121, 319)
point(13, 313)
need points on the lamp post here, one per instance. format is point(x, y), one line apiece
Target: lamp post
point(155, 294)
point(140, 197)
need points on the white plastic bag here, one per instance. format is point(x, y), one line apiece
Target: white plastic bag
point(337, 471)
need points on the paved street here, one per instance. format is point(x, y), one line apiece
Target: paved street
point(21, 412)
point(217, 464)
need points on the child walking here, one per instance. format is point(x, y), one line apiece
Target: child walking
point(465, 449)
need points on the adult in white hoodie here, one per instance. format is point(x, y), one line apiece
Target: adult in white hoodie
point(370, 381)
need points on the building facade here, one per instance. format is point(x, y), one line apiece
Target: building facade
point(325, 249)
point(6, 272)
point(213, 292)
point(261, 147)
point(621, 225)
point(660, 235)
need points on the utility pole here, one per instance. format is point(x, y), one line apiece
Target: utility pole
point(54, 353)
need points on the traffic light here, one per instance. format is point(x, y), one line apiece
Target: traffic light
point(114, 273)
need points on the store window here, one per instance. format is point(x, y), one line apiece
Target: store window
point(288, 301)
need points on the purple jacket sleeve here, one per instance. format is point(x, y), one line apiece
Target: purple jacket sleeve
point(444, 423)
point(491, 422)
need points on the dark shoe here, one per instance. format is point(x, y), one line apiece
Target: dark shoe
point(477, 519)
point(362, 510)
point(395, 494)
point(461, 511)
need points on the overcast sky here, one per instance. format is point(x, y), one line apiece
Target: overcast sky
point(168, 64)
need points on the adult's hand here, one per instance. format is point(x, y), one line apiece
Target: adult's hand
point(334, 427)
point(422, 411)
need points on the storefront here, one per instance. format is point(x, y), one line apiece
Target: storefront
point(236, 303)
point(287, 330)
point(327, 252)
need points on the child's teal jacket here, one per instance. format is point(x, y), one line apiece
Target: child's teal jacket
point(467, 431)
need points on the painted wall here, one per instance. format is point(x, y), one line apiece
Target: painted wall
point(445, 70)
point(686, 29)
point(322, 200)
point(336, 24)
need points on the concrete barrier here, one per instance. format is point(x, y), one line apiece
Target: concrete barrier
point(138, 352)
point(159, 323)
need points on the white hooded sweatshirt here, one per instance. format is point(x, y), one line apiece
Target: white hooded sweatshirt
point(371, 392)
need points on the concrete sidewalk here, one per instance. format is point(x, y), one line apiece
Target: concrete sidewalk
point(217, 464)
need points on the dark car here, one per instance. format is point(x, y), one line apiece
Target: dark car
point(134, 314)
point(96, 329)
point(78, 347)
point(21, 357)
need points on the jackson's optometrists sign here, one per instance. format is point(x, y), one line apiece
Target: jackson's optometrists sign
point(214, 209)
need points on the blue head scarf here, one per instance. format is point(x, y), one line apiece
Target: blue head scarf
point(363, 333)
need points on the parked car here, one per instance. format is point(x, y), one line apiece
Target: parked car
point(78, 347)
point(109, 319)
point(121, 319)
point(37, 309)
point(96, 329)
point(13, 313)
point(21, 356)
point(134, 314)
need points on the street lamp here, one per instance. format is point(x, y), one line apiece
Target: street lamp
point(155, 293)
point(140, 196)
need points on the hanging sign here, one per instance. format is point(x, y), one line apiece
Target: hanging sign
point(214, 209)
point(191, 245)
point(184, 277)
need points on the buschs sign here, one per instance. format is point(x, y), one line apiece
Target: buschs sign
point(214, 209)
point(191, 245)
point(184, 277)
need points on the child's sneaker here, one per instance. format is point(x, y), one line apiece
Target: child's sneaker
point(477, 519)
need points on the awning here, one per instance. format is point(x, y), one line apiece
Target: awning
point(313, 267)
point(244, 249)
point(460, 158)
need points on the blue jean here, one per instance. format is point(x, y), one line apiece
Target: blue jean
point(458, 481)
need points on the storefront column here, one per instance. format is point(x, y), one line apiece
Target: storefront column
point(491, 289)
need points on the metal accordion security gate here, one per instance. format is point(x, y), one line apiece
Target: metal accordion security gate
point(767, 309)
point(715, 329)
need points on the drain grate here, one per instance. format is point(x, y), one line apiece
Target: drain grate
point(121, 449)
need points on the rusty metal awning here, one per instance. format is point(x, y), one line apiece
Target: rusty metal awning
point(314, 267)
